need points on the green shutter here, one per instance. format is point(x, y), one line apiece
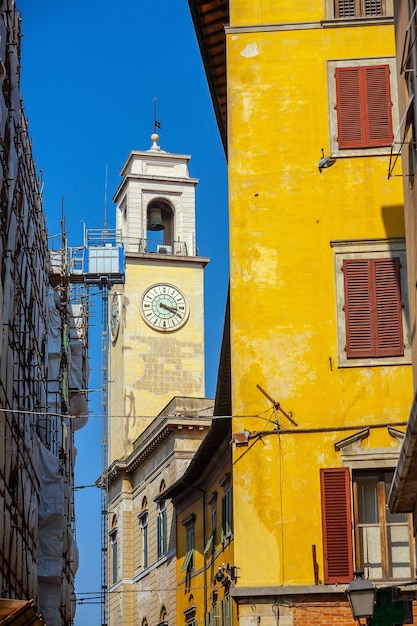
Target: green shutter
point(209, 542)
point(187, 560)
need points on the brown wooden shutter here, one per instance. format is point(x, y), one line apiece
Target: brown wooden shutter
point(388, 307)
point(337, 525)
point(349, 108)
point(373, 7)
point(378, 105)
point(363, 106)
point(373, 310)
point(345, 8)
point(358, 8)
point(358, 316)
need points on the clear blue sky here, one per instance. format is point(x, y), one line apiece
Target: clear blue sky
point(90, 73)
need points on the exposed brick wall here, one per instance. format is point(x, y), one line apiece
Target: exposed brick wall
point(322, 614)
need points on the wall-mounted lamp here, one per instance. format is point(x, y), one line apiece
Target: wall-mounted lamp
point(226, 574)
point(361, 596)
point(325, 162)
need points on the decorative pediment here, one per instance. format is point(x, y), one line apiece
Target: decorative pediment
point(352, 439)
point(355, 455)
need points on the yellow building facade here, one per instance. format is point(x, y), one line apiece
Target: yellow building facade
point(319, 326)
point(202, 498)
point(403, 497)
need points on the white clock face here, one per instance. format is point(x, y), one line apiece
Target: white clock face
point(164, 307)
point(114, 320)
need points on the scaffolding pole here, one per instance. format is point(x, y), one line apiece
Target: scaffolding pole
point(104, 439)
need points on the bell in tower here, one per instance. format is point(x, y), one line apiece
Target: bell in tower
point(155, 222)
point(156, 202)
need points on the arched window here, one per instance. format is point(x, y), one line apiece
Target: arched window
point(162, 524)
point(113, 550)
point(190, 612)
point(143, 522)
point(163, 617)
point(160, 226)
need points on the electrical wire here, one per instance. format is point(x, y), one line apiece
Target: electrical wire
point(153, 417)
point(283, 431)
point(310, 607)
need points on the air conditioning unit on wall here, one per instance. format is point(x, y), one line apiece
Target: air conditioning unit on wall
point(164, 249)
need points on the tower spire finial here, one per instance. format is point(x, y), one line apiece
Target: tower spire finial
point(156, 124)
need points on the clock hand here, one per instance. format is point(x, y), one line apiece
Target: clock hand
point(169, 308)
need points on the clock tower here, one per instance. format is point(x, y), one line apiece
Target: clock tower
point(157, 316)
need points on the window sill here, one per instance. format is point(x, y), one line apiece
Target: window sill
point(349, 153)
point(375, 362)
point(342, 22)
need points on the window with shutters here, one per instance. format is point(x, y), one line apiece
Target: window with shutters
point(372, 302)
point(188, 563)
point(364, 9)
point(226, 529)
point(383, 540)
point(210, 547)
point(380, 543)
point(358, 8)
point(373, 308)
point(226, 610)
point(363, 106)
point(212, 617)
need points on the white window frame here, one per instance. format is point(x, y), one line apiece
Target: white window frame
point(162, 530)
point(368, 249)
point(381, 527)
point(144, 537)
point(332, 65)
point(114, 555)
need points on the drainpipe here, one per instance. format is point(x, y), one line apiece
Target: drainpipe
point(413, 68)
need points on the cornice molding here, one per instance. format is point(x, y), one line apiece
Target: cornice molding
point(339, 23)
point(145, 449)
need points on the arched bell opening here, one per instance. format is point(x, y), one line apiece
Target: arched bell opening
point(160, 222)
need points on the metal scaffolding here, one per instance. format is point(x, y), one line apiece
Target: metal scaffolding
point(100, 263)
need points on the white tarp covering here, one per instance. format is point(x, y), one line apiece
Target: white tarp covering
point(54, 325)
point(67, 360)
point(75, 373)
point(50, 536)
point(76, 360)
point(78, 370)
point(78, 410)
